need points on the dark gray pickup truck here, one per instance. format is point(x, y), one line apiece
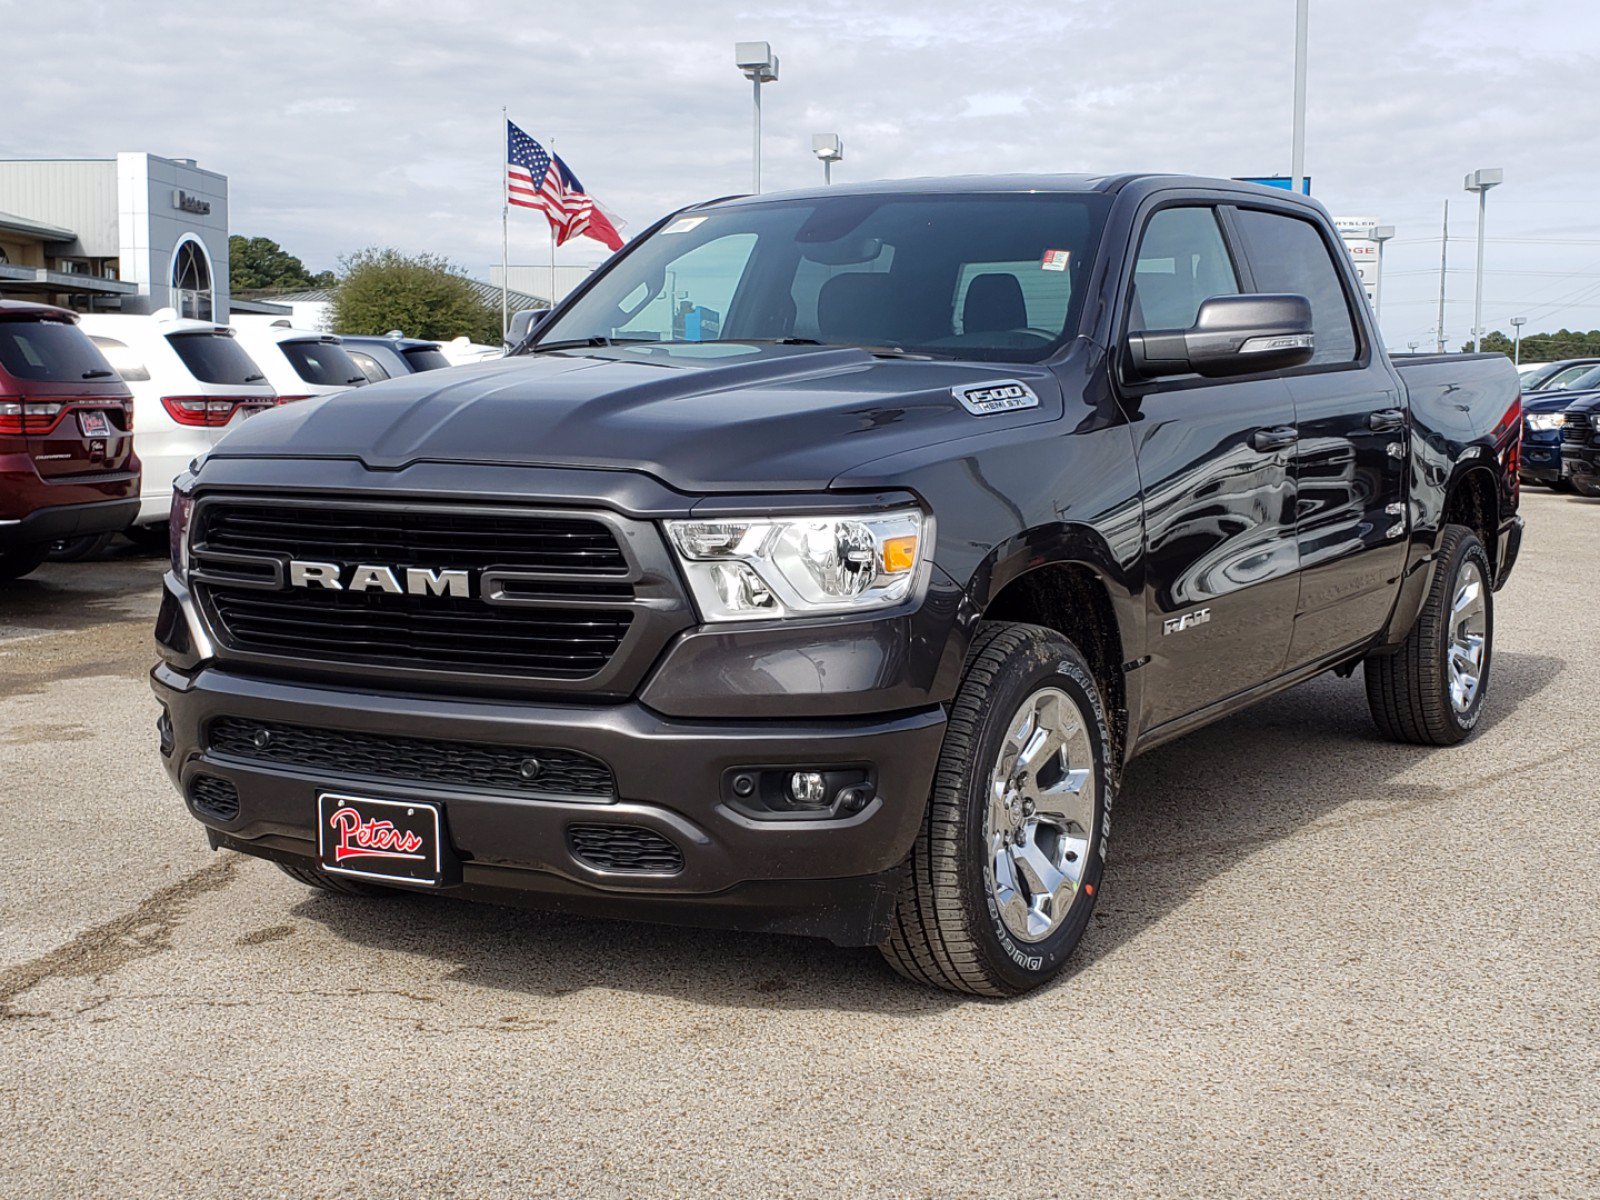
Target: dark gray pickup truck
point(820, 564)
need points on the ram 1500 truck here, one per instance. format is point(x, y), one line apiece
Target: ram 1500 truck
point(818, 566)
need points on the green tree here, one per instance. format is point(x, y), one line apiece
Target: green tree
point(1545, 347)
point(421, 294)
point(259, 264)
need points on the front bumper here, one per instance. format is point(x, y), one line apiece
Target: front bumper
point(1541, 458)
point(830, 876)
point(1580, 466)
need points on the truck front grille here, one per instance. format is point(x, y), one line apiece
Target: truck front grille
point(475, 766)
point(1575, 429)
point(582, 601)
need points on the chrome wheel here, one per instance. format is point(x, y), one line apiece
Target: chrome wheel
point(1041, 814)
point(1468, 639)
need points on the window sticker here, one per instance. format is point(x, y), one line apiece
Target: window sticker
point(1055, 260)
point(684, 224)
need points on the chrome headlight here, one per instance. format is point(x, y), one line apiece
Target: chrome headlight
point(178, 525)
point(759, 568)
point(1594, 420)
point(1545, 421)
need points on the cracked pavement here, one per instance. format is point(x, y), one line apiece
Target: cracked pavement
point(1322, 965)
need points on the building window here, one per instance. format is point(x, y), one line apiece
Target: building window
point(191, 281)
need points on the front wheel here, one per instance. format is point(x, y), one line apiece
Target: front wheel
point(1431, 690)
point(1003, 876)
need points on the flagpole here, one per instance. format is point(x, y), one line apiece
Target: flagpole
point(551, 299)
point(505, 221)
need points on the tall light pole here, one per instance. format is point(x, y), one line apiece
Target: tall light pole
point(1481, 182)
point(1379, 234)
point(760, 65)
point(1516, 343)
point(1297, 158)
point(830, 150)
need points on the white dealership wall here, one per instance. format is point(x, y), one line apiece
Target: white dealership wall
point(129, 217)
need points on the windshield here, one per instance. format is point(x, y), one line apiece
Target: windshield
point(50, 352)
point(1569, 378)
point(425, 358)
point(215, 358)
point(323, 363)
point(1534, 378)
point(992, 277)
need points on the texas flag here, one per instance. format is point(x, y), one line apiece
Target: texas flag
point(535, 178)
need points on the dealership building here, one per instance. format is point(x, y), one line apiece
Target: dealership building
point(134, 233)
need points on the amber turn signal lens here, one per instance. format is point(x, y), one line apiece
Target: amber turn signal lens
point(899, 554)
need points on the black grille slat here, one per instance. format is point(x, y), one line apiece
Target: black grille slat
point(475, 766)
point(624, 848)
point(580, 621)
point(567, 643)
point(1576, 428)
point(215, 797)
point(416, 537)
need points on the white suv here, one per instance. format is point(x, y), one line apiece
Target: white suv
point(301, 363)
point(191, 380)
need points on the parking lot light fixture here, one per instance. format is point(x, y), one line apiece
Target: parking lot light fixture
point(1516, 339)
point(1481, 181)
point(760, 65)
point(1380, 234)
point(830, 150)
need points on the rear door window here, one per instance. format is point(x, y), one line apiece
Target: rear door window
point(326, 364)
point(425, 358)
point(370, 367)
point(123, 360)
point(216, 358)
point(1289, 255)
point(50, 352)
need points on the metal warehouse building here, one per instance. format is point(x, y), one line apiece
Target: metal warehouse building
point(133, 233)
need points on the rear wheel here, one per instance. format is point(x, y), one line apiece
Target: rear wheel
point(1431, 691)
point(338, 884)
point(79, 549)
point(1003, 876)
point(16, 563)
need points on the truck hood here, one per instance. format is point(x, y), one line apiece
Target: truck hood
point(775, 418)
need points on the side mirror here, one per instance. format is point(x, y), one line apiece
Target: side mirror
point(523, 322)
point(1231, 335)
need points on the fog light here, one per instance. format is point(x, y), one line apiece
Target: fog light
point(808, 788)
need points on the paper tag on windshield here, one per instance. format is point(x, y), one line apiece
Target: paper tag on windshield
point(1055, 260)
point(683, 224)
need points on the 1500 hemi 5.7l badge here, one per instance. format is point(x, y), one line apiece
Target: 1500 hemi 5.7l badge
point(1002, 395)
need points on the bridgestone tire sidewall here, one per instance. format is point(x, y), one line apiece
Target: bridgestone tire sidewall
point(1027, 964)
point(1470, 549)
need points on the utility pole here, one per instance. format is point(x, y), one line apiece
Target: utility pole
point(1481, 182)
point(1444, 254)
point(760, 65)
point(1297, 158)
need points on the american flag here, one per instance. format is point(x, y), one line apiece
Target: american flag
point(535, 178)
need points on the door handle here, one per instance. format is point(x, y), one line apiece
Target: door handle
point(1386, 420)
point(1274, 437)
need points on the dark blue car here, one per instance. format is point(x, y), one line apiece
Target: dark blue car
point(1543, 413)
point(391, 356)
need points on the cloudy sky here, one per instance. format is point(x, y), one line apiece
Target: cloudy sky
point(374, 123)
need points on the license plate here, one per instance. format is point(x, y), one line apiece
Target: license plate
point(94, 424)
point(392, 840)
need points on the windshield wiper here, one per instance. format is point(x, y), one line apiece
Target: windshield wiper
point(98, 374)
point(254, 378)
point(590, 343)
point(875, 351)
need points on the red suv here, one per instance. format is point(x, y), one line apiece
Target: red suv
point(67, 466)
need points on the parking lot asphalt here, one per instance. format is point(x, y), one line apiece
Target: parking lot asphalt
point(1322, 965)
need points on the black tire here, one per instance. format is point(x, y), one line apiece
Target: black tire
point(16, 563)
point(152, 539)
point(338, 884)
point(80, 549)
point(1409, 690)
point(1564, 486)
point(947, 929)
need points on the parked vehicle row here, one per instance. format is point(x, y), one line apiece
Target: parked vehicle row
point(73, 388)
point(1558, 437)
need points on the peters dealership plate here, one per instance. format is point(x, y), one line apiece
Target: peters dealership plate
point(389, 840)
